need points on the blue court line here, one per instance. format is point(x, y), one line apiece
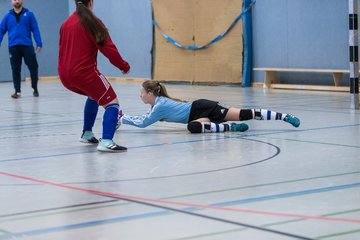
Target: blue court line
point(185, 142)
point(163, 213)
point(297, 130)
point(287, 195)
point(83, 225)
point(335, 111)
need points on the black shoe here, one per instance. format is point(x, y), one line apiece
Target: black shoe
point(36, 93)
point(16, 95)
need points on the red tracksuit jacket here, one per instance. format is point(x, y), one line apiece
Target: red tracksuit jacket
point(78, 53)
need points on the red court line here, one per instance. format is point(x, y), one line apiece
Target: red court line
point(107, 194)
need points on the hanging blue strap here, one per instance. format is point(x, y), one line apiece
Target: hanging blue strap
point(191, 47)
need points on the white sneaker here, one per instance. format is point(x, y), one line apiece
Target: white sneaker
point(107, 145)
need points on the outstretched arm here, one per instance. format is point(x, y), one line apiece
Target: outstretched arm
point(111, 52)
point(144, 120)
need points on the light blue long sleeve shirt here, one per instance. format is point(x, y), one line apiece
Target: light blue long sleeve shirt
point(164, 109)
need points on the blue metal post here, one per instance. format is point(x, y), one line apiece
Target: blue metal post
point(247, 32)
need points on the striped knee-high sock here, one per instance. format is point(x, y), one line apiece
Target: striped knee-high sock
point(264, 114)
point(210, 127)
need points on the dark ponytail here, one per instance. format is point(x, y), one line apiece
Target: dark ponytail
point(91, 23)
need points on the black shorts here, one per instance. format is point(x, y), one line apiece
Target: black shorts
point(203, 108)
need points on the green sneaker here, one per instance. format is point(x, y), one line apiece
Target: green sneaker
point(239, 127)
point(292, 120)
point(88, 137)
point(107, 145)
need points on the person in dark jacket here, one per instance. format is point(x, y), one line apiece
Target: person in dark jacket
point(20, 22)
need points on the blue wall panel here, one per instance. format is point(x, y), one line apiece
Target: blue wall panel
point(50, 15)
point(301, 34)
point(318, 34)
point(130, 26)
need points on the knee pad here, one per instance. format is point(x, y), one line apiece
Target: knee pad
point(245, 114)
point(195, 127)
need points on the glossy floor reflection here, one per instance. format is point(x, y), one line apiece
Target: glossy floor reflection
point(271, 182)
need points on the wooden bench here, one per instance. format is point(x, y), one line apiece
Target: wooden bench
point(271, 80)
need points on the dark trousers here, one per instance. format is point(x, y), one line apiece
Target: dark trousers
point(28, 53)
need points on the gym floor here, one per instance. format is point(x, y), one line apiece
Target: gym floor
point(272, 182)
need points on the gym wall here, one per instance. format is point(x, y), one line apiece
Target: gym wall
point(50, 15)
point(130, 26)
point(196, 23)
point(296, 34)
point(301, 34)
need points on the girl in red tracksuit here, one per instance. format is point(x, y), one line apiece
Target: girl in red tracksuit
point(81, 36)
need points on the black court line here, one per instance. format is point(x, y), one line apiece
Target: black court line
point(184, 174)
point(54, 209)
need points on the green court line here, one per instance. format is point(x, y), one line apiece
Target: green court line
point(338, 234)
point(210, 234)
point(324, 215)
point(277, 224)
point(178, 196)
point(314, 142)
